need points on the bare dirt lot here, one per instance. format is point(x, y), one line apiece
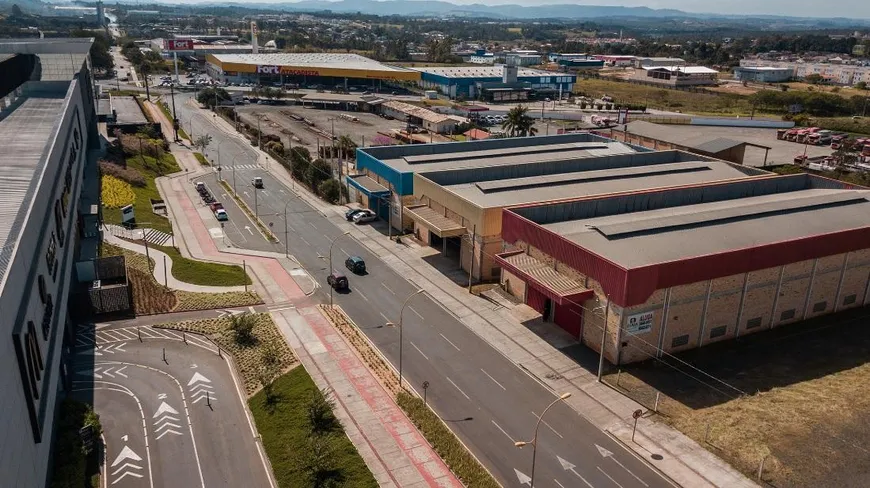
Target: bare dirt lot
point(804, 407)
point(278, 120)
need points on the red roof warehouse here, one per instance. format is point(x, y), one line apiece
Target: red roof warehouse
point(683, 267)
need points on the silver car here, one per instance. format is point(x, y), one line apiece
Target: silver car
point(364, 217)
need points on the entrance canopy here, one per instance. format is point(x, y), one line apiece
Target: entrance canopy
point(555, 285)
point(437, 224)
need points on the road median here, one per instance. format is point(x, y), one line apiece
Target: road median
point(450, 448)
point(261, 227)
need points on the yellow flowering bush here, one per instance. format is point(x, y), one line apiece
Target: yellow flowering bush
point(116, 192)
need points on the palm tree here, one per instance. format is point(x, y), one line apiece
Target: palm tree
point(519, 123)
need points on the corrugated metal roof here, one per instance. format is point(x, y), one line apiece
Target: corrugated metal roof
point(25, 132)
point(415, 111)
point(312, 60)
point(559, 283)
point(436, 223)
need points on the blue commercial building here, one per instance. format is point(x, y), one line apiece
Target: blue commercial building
point(385, 174)
point(483, 82)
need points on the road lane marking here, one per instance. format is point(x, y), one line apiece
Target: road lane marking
point(363, 296)
point(415, 312)
point(458, 388)
point(388, 288)
point(312, 225)
point(557, 482)
point(607, 454)
point(306, 242)
point(340, 249)
point(418, 350)
point(494, 380)
point(610, 477)
point(385, 317)
point(451, 342)
point(502, 431)
point(548, 425)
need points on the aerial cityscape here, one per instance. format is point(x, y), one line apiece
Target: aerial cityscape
point(435, 244)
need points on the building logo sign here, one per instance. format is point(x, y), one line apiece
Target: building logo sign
point(269, 70)
point(285, 70)
point(640, 323)
point(178, 45)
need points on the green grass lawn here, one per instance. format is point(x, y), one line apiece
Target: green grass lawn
point(204, 273)
point(284, 428)
point(150, 169)
point(202, 159)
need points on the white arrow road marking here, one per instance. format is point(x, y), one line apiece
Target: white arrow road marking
point(523, 477)
point(126, 465)
point(161, 396)
point(570, 467)
point(248, 228)
point(168, 431)
point(167, 424)
point(126, 453)
point(197, 378)
point(90, 372)
point(204, 395)
point(164, 408)
point(125, 437)
point(193, 366)
point(607, 454)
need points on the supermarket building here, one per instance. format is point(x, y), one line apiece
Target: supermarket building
point(690, 265)
point(327, 69)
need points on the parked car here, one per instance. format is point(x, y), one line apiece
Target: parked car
point(349, 215)
point(355, 264)
point(365, 216)
point(337, 280)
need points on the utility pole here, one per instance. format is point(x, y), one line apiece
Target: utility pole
point(471, 265)
point(144, 73)
point(174, 113)
point(603, 339)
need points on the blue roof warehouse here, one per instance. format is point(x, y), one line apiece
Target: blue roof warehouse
point(496, 83)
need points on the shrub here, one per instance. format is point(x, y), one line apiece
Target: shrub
point(130, 175)
point(321, 418)
point(116, 193)
point(329, 190)
point(242, 326)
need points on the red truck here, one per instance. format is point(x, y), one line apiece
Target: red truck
point(219, 212)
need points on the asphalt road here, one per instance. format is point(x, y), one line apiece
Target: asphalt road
point(171, 412)
point(485, 398)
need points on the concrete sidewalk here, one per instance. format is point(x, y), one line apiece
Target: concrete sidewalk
point(163, 268)
point(392, 448)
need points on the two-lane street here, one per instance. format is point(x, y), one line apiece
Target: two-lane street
point(485, 398)
point(170, 409)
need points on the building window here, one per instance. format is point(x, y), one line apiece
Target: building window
point(51, 254)
point(718, 331)
point(753, 323)
point(787, 314)
point(680, 341)
point(820, 307)
point(47, 314)
point(41, 284)
point(58, 222)
point(850, 299)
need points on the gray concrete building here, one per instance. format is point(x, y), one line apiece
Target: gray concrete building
point(50, 144)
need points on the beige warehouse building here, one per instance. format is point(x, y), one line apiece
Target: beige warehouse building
point(458, 207)
point(684, 267)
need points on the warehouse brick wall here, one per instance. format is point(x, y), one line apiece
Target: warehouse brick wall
point(513, 285)
point(702, 313)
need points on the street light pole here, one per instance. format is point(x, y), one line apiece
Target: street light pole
point(534, 441)
point(174, 112)
point(603, 339)
point(286, 237)
point(330, 262)
point(401, 342)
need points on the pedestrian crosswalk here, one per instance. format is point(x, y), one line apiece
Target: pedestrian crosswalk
point(153, 236)
point(104, 338)
point(240, 167)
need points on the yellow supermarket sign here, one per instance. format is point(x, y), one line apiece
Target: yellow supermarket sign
point(373, 74)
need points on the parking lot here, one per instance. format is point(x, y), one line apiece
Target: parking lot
point(277, 120)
